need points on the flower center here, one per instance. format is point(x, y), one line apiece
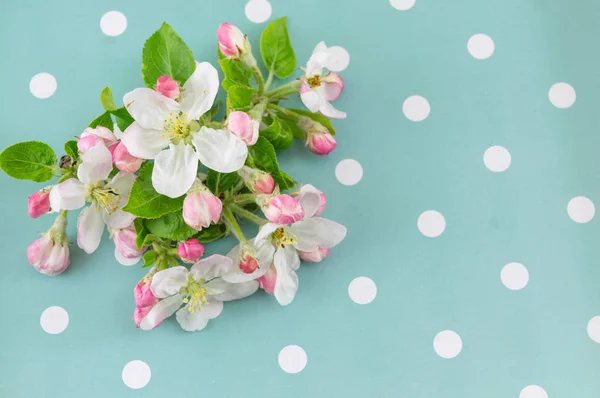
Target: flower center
point(106, 198)
point(176, 127)
point(282, 238)
point(194, 294)
point(314, 81)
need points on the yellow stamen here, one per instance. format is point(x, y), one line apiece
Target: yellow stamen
point(195, 294)
point(314, 81)
point(176, 126)
point(282, 238)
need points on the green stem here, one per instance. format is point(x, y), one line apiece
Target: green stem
point(214, 125)
point(269, 79)
point(232, 225)
point(285, 90)
point(248, 215)
point(291, 114)
point(260, 82)
point(244, 199)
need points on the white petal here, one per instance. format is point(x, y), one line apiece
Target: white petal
point(211, 267)
point(265, 231)
point(220, 150)
point(312, 100)
point(264, 254)
point(200, 90)
point(213, 308)
point(169, 281)
point(175, 170)
point(191, 321)
point(286, 286)
point(161, 311)
point(317, 61)
point(96, 165)
point(143, 143)
point(126, 261)
point(330, 111)
point(90, 227)
point(238, 291)
point(118, 219)
point(121, 184)
point(217, 286)
point(317, 232)
point(149, 108)
point(310, 200)
point(320, 47)
point(68, 195)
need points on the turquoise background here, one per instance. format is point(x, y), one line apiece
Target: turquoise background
point(511, 339)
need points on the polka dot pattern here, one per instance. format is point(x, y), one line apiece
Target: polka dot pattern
point(581, 209)
point(136, 374)
point(514, 276)
point(54, 320)
point(593, 329)
point(113, 23)
point(431, 223)
point(258, 11)
point(497, 159)
point(292, 359)
point(402, 5)
point(447, 344)
point(481, 46)
point(562, 95)
point(349, 172)
point(362, 290)
point(340, 59)
point(416, 108)
point(43, 85)
point(533, 391)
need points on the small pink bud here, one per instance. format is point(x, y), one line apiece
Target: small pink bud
point(91, 137)
point(142, 293)
point(283, 209)
point(257, 181)
point(167, 87)
point(123, 160)
point(87, 142)
point(50, 254)
point(140, 313)
point(248, 264)
point(243, 126)
point(200, 208)
point(232, 41)
point(315, 256)
point(267, 281)
point(321, 143)
point(125, 242)
point(190, 250)
point(38, 204)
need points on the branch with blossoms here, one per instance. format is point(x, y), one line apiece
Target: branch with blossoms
point(170, 171)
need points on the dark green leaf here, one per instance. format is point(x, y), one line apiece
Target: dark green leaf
point(293, 127)
point(149, 258)
point(107, 100)
point(165, 53)
point(284, 180)
point(262, 155)
point(145, 202)
point(212, 233)
point(236, 73)
point(170, 226)
point(317, 117)
point(220, 182)
point(71, 149)
point(123, 118)
point(212, 112)
point(277, 133)
point(276, 49)
point(103, 120)
point(140, 231)
point(30, 160)
point(240, 98)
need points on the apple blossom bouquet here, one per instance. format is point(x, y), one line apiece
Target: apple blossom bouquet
point(166, 174)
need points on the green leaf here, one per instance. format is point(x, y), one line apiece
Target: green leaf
point(292, 126)
point(317, 117)
point(220, 182)
point(123, 118)
point(220, 55)
point(71, 149)
point(240, 98)
point(236, 73)
point(170, 226)
point(145, 202)
point(263, 155)
point(284, 180)
point(140, 231)
point(107, 100)
point(30, 160)
point(277, 133)
point(212, 233)
point(276, 49)
point(165, 53)
point(103, 120)
point(211, 113)
point(149, 258)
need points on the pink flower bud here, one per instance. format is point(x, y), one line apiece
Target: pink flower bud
point(200, 208)
point(267, 281)
point(190, 250)
point(87, 142)
point(123, 160)
point(92, 137)
point(243, 126)
point(125, 242)
point(50, 254)
point(283, 209)
point(140, 313)
point(38, 204)
point(232, 41)
point(315, 256)
point(321, 143)
point(167, 87)
point(142, 293)
point(248, 264)
point(257, 181)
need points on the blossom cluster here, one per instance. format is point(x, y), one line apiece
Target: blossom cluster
point(166, 173)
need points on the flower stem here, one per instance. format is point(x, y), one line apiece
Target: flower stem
point(247, 215)
point(291, 114)
point(260, 82)
point(244, 199)
point(269, 79)
point(232, 225)
point(285, 90)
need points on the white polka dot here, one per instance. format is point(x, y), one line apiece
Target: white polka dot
point(581, 209)
point(497, 158)
point(533, 391)
point(113, 23)
point(136, 374)
point(54, 320)
point(416, 108)
point(447, 344)
point(43, 85)
point(402, 5)
point(258, 11)
point(362, 290)
point(348, 172)
point(562, 95)
point(514, 276)
point(292, 359)
point(593, 328)
point(431, 223)
point(481, 46)
point(340, 59)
